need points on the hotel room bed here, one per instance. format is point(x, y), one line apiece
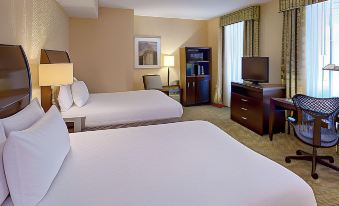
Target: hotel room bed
point(188, 163)
point(125, 109)
point(120, 109)
point(181, 164)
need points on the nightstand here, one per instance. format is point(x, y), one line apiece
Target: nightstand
point(75, 124)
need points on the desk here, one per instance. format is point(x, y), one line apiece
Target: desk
point(277, 106)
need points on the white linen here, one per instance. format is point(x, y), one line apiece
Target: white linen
point(180, 164)
point(23, 119)
point(8, 202)
point(104, 109)
point(32, 158)
point(80, 93)
point(65, 98)
point(3, 182)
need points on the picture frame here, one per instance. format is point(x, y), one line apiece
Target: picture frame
point(147, 52)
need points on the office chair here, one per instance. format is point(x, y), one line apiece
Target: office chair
point(316, 127)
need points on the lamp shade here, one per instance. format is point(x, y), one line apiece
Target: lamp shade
point(169, 61)
point(55, 74)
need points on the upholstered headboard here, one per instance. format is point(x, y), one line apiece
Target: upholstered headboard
point(15, 80)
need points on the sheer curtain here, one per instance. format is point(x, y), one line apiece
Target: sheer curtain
point(322, 48)
point(233, 51)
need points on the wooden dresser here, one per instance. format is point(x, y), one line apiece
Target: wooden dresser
point(250, 105)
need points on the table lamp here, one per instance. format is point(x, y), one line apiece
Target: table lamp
point(53, 75)
point(168, 62)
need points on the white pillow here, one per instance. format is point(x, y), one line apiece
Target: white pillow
point(3, 182)
point(65, 98)
point(80, 93)
point(23, 119)
point(33, 158)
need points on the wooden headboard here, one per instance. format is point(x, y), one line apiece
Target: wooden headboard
point(54, 57)
point(15, 80)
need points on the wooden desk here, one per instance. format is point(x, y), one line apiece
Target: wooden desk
point(277, 106)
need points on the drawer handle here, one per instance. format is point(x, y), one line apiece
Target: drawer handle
point(244, 118)
point(244, 109)
point(244, 100)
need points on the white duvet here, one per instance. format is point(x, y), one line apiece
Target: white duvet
point(180, 164)
point(105, 109)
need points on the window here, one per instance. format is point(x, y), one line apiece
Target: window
point(234, 45)
point(322, 48)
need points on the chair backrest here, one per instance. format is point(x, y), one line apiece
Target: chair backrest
point(326, 107)
point(314, 114)
point(152, 82)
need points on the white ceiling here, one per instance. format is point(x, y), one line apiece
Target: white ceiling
point(80, 8)
point(184, 9)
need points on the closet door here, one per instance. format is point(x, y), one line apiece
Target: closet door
point(202, 90)
point(190, 91)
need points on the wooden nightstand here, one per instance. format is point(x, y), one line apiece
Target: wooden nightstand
point(75, 124)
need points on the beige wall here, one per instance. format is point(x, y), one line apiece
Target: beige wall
point(102, 50)
point(36, 25)
point(174, 33)
point(271, 24)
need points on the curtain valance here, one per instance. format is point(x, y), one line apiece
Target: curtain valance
point(286, 5)
point(250, 13)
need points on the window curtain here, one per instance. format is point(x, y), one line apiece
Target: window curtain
point(234, 41)
point(322, 48)
point(249, 19)
point(293, 51)
point(218, 87)
point(293, 63)
point(251, 38)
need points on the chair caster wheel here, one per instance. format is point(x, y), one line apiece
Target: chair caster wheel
point(315, 176)
point(287, 160)
point(299, 152)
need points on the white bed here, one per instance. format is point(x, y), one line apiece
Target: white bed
point(104, 109)
point(180, 164)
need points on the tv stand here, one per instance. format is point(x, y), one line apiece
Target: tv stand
point(250, 105)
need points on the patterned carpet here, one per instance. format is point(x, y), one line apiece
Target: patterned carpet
point(326, 188)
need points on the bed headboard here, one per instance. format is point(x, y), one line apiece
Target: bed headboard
point(15, 80)
point(54, 57)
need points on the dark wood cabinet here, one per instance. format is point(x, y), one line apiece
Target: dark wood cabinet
point(250, 105)
point(195, 78)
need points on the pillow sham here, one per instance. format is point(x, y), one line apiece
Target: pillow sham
point(3, 182)
point(80, 93)
point(33, 157)
point(65, 98)
point(23, 119)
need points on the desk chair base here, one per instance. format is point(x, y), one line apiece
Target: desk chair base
point(315, 159)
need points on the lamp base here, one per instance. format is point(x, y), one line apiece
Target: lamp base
point(46, 97)
point(168, 76)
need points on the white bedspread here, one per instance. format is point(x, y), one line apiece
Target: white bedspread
point(105, 109)
point(180, 164)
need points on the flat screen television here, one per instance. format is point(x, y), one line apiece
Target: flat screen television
point(255, 69)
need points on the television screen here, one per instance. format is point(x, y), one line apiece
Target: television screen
point(255, 69)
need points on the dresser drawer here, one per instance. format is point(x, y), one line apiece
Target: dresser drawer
point(247, 103)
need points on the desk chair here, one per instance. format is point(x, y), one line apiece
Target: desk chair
point(315, 126)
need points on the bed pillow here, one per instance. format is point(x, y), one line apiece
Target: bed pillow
point(65, 98)
point(3, 182)
point(33, 157)
point(80, 93)
point(23, 119)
